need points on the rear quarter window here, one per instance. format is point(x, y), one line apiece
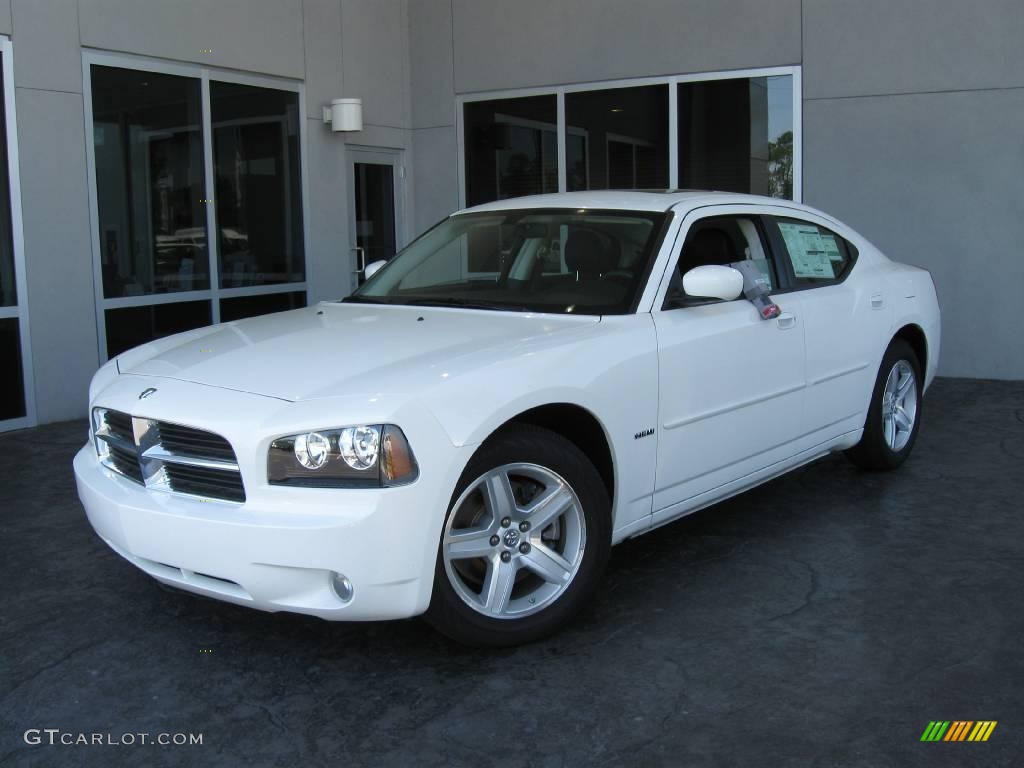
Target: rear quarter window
point(812, 254)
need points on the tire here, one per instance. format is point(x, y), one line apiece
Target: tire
point(886, 442)
point(488, 590)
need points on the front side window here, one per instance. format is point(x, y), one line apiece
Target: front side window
point(814, 255)
point(724, 241)
point(592, 262)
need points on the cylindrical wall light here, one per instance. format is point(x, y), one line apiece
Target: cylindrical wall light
point(344, 115)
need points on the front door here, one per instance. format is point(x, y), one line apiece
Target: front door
point(731, 385)
point(375, 223)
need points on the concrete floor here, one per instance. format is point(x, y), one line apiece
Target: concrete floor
point(822, 620)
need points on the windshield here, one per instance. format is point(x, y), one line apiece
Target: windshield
point(565, 261)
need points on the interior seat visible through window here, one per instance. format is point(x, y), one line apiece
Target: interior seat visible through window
point(723, 241)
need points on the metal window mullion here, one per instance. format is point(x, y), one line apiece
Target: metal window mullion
point(673, 133)
point(563, 174)
point(798, 135)
point(212, 238)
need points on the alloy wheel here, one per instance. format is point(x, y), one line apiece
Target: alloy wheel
point(514, 541)
point(899, 405)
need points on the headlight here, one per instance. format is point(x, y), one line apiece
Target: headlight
point(365, 456)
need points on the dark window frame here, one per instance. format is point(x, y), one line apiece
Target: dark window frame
point(672, 303)
point(784, 263)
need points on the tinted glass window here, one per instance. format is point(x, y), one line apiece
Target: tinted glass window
point(259, 190)
point(12, 390)
point(511, 148)
point(250, 306)
point(814, 255)
point(149, 182)
point(592, 262)
point(736, 135)
point(724, 241)
point(8, 290)
point(617, 138)
point(132, 326)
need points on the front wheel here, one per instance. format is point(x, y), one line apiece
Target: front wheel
point(525, 542)
point(895, 413)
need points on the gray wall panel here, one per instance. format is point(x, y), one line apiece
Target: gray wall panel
point(255, 35)
point(5, 17)
point(375, 58)
point(329, 257)
point(322, 35)
point(436, 189)
point(46, 48)
point(879, 46)
point(431, 66)
point(935, 180)
point(500, 44)
point(55, 202)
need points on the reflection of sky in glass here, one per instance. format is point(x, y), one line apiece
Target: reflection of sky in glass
point(780, 105)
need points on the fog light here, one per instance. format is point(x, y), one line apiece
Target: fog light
point(342, 586)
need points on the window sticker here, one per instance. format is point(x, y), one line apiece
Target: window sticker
point(812, 253)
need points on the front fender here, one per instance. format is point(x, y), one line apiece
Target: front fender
point(612, 373)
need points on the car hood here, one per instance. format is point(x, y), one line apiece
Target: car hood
point(338, 349)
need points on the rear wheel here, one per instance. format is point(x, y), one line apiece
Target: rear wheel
point(895, 413)
point(526, 539)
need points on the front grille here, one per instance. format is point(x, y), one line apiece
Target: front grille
point(194, 442)
point(200, 481)
point(169, 457)
point(126, 462)
point(120, 425)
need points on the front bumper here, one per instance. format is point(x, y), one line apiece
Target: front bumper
point(279, 550)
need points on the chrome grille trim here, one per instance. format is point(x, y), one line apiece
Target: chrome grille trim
point(144, 459)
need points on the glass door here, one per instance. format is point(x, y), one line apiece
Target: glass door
point(375, 223)
point(16, 406)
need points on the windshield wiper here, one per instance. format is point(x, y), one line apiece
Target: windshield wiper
point(363, 300)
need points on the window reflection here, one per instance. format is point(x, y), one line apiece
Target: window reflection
point(131, 326)
point(149, 182)
point(511, 148)
point(250, 306)
point(737, 135)
point(8, 290)
point(12, 390)
point(259, 197)
point(617, 138)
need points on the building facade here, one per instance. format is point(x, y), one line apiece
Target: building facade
point(133, 129)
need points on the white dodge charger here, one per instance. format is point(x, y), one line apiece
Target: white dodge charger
point(526, 384)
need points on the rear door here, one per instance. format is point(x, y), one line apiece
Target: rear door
point(845, 311)
point(730, 384)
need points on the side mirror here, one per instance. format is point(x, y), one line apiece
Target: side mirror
point(713, 282)
point(373, 268)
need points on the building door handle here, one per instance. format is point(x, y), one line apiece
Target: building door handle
point(786, 321)
point(360, 260)
point(877, 301)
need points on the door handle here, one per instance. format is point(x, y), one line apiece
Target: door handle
point(877, 301)
point(360, 260)
point(786, 321)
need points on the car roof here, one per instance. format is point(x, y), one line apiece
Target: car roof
point(639, 200)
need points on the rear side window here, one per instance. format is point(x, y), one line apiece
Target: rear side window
point(812, 254)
